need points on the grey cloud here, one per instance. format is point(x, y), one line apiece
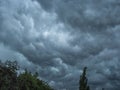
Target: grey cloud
point(87, 15)
point(60, 37)
point(47, 5)
point(8, 54)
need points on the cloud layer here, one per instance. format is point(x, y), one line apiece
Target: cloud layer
point(60, 37)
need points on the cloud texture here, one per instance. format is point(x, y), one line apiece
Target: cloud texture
point(58, 38)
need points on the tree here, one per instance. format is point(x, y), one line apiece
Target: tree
point(28, 81)
point(83, 81)
point(9, 80)
point(8, 76)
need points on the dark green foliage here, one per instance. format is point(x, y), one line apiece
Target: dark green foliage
point(8, 76)
point(31, 82)
point(25, 81)
point(83, 81)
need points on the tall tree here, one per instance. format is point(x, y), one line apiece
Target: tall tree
point(83, 81)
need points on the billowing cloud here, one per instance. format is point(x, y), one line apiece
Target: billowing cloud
point(58, 38)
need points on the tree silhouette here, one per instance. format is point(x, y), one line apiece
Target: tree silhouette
point(83, 81)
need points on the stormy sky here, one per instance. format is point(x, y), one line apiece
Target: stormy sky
point(57, 38)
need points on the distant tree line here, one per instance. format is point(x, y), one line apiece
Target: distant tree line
point(10, 80)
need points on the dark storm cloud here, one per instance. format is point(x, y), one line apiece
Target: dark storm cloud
point(47, 5)
point(87, 14)
point(58, 38)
